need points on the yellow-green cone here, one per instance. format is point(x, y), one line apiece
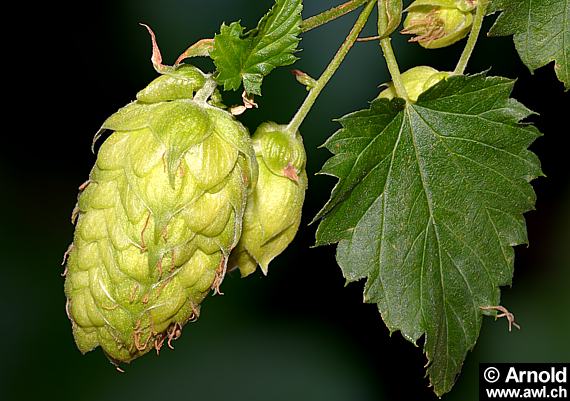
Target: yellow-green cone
point(273, 212)
point(416, 81)
point(158, 218)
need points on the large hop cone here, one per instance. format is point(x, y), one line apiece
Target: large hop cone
point(158, 218)
point(273, 212)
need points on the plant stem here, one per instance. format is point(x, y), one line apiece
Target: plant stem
point(473, 36)
point(206, 91)
point(391, 62)
point(386, 45)
point(330, 15)
point(315, 91)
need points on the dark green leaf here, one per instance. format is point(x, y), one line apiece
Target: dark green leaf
point(541, 30)
point(251, 56)
point(429, 203)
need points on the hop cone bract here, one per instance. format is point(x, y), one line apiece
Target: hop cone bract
point(158, 218)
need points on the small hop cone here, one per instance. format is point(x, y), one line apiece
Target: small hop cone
point(273, 212)
point(439, 23)
point(158, 218)
point(416, 81)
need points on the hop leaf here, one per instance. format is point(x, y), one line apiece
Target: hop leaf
point(541, 30)
point(158, 219)
point(428, 206)
point(251, 56)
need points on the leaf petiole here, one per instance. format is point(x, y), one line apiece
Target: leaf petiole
point(389, 56)
point(393, 68)
point(330, 15)
point(473, 36)
point(301, 114)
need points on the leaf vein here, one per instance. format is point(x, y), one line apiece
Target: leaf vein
point(421, 168)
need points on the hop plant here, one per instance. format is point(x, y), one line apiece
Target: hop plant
point(158, 218)
point(273, 212)
point(430, 197)
point(439, 23)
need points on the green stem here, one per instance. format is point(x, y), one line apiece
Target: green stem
point(206, 91)
point(330, 15)
point(386, 45)
point(331, 69)
point(473, 36)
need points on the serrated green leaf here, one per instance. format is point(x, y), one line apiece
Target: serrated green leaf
point(251, 56)
point(541, 30)
point(429, 203)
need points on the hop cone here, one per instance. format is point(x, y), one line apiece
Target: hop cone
point(439, 23)
point(273, 212)
point(416, 81)
point(158, 217)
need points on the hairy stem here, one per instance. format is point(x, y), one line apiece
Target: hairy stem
point(386, 45)
point(206, 91)
point(330, 15)
point(391, 62)
point(331, 69)
point(473, 36)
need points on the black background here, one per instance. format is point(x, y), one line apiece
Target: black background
point(298, 334)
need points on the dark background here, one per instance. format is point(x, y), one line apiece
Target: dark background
point(298, 334)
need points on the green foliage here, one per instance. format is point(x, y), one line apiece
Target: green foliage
point(541, 30)
point(428, 206)
point(249, 57)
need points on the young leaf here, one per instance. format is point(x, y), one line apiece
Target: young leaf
point(429, 203)
point(541, 30)
point(251, 56)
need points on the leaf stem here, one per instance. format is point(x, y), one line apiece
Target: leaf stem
point(206, 91)
point(330, 15)
point(315, 91)
point(386, 45)
point(389, 56)
point(473, 36)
